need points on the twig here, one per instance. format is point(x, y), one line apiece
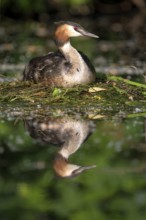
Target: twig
point(116, 78)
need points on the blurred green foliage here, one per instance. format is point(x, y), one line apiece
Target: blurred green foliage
point(30, 8)
point(23, 7)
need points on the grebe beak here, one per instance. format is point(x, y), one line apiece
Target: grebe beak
point(88, 34)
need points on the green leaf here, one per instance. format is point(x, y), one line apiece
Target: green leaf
point(56, 92)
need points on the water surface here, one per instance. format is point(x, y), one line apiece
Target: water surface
point(115, 189)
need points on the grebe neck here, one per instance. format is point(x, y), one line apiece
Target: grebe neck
point(68, 51)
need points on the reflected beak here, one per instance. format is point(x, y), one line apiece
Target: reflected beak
point(81, 169)
point(88, 34)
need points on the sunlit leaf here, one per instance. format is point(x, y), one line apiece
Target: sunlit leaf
point(96, 89)
point(94, 116)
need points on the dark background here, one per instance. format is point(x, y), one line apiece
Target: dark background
point(120, 24)
point(63, 9)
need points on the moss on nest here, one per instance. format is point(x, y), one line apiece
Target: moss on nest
point(115, 93)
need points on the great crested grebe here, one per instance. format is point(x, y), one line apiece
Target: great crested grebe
point(67, 66)
point(66, 133)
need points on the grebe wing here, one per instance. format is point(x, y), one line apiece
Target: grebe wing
point(41, 67)
point(87, 61)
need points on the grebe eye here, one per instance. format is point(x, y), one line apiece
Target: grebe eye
point(75, 28)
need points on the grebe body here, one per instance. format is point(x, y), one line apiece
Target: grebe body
point(66, 67)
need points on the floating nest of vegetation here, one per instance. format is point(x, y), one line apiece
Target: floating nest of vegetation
point(115, 94)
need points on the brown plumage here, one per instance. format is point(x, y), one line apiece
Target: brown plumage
point(59, 165)
point(61, 34)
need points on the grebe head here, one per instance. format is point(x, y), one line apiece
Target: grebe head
point(66, 170)
point(66, 29)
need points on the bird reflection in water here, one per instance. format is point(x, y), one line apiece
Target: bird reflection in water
point(68, 134)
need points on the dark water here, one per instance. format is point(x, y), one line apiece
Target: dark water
point(115, 189)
